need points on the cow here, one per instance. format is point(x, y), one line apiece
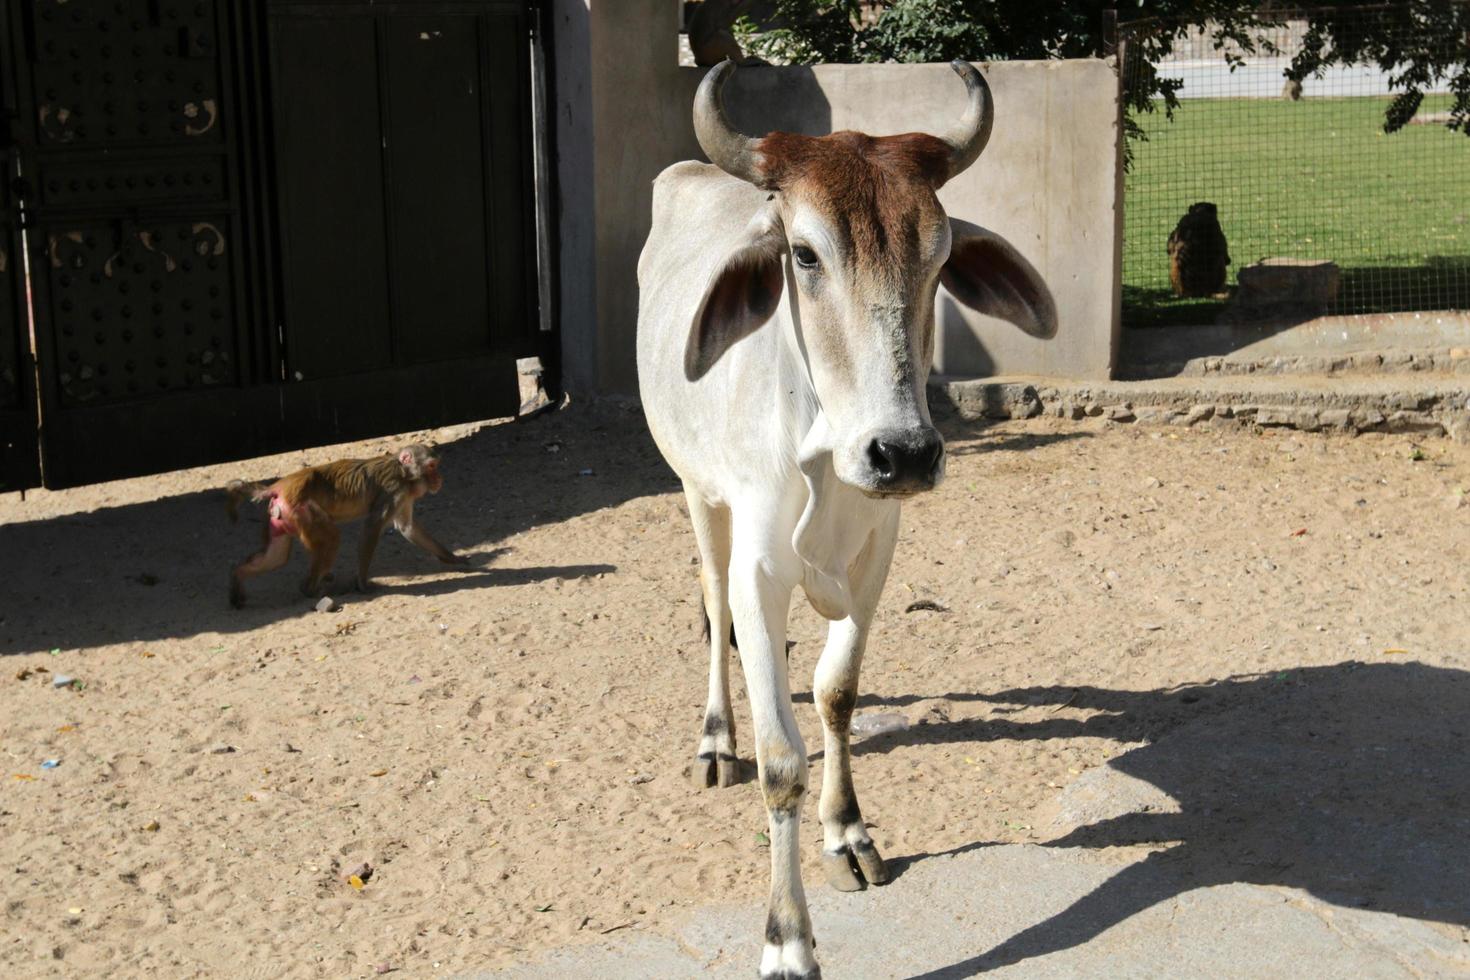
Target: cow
point(785, 338)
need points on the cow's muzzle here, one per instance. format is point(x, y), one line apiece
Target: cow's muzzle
point(902, 462)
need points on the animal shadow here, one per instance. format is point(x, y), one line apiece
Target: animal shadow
point(1349, 782)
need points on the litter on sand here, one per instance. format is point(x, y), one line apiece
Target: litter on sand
point(877, 723)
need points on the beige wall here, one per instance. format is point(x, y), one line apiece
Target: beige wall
point(1048, 181)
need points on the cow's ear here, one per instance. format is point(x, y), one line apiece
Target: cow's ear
point(742, 294)
point(988, 274)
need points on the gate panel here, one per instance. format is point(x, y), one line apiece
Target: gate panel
point(138, 310)
point(440, 218)
point(19, 459)
point(135, 232)
point(439, 222)
point(260, 226)
point(328, 127)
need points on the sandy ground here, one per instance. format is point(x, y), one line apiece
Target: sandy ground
point(509, 747)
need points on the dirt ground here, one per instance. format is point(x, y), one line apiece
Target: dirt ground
point(509, 747)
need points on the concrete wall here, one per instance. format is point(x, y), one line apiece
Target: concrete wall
point(1049, 181)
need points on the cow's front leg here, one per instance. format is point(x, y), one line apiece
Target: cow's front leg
point(849, 858)
point(760, 601)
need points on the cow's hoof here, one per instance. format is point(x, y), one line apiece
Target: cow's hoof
point(772, 967)
point(851, 867)
point(716, 769)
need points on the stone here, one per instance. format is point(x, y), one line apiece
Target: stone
point(1306, 419)
point(1151, 415)
point(1367, 418)
point(1408, 421)
point(1283, 289)
point(1199, 413)
point(1335, 418)
point(1119, 413)
point(994, 400)
point(326, 604)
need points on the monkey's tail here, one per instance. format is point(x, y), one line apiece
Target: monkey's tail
point(238, 490)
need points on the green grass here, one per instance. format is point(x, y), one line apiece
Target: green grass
point(1316, 179)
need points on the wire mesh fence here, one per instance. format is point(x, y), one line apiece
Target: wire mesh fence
point(1254, 196)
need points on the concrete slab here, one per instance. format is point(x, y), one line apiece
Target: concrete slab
point(1026, 910)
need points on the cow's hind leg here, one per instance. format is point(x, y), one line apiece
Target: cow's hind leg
point(849, 858)
point(715, 764)
point(760, 597)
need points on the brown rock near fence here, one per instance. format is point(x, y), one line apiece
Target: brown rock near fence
point(1283, 289)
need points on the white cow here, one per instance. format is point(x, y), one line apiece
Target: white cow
point(785, 336)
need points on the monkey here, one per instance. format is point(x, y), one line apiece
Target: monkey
point(1198, 253)
point(309, 504)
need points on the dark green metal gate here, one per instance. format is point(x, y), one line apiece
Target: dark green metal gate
point(260, 226)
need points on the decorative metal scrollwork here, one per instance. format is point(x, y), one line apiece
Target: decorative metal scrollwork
point(140, 310)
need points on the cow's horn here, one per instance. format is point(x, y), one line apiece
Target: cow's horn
point(970, 135)
point(728, 148)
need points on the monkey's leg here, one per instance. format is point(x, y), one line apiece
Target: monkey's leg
point(275, 554)
point(415, 532)
point(321, 538)
point(371, 532)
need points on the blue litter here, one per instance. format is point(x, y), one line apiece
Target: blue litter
point(50, 763)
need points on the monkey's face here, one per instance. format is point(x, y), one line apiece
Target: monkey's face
point(420, 463)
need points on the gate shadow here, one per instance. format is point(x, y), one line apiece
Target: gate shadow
point(1350, 782)
point(155, 570)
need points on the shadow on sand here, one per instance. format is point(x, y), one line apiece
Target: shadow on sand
point(155, 570)
point(1350, 782)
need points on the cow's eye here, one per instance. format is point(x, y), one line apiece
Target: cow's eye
point(804, 256)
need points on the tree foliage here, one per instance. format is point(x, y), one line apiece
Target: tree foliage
point(1419, 43)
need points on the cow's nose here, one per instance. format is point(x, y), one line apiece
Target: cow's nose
point(906, 460)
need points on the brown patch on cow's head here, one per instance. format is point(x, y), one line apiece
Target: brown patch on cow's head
point(877, 191)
